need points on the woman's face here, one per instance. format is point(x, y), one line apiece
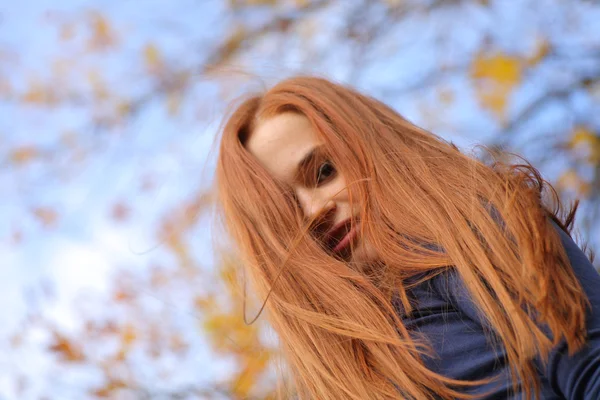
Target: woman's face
point(287, 146)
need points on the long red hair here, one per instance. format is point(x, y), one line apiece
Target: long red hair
point(340, 334)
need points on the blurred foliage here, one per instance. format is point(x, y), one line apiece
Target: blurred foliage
point(512, 89)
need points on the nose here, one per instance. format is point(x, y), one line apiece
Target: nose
point(315, 206)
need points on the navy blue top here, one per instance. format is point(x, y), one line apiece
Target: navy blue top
point(446, 316)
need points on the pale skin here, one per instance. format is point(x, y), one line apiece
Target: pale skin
point(289, 149)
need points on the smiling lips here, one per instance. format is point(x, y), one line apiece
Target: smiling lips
point(341, 236)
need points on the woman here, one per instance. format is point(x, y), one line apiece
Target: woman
point(393, 266)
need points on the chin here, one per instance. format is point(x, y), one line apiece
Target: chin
point(363, 253)
point(360, 253)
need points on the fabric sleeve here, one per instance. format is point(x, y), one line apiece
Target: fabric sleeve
point(575, 377)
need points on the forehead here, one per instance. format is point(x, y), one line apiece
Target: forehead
point(280, 142)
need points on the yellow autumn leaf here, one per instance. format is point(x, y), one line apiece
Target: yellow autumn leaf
point(584, 138)
point(495, 77)
point(219, 322)
point(66, 31)
point(495, 99)
point(102, 34)
point(129, 335)
point(229, 333)
point(500, 68)
point(542, 49)
point(110, 388)
point(153, 58)
point(46, 216)
point(34, 95)
point(228, 273)
point(177, 344)
point(205, 302)
point(66, 348)
point(123, 108)
point(121, 354)
point(37, 93)
point(303, 3)
point(173, 103)
point(123, 295)
point(570, 180)
point(98, 86)
point(23, 155)
point(253, 367)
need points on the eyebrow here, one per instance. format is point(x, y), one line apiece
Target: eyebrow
point(309, 158)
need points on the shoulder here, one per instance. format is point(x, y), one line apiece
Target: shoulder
point(577, 376)
point(582, 267)
point(450, 286)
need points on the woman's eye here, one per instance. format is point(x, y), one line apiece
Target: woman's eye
point(326, 170)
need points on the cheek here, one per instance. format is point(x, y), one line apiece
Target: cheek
point(348, 190)
point(341, 190)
